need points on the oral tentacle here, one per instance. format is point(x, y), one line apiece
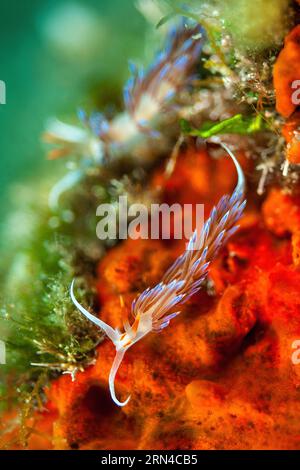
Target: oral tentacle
point(111, 333)
point(112, 375)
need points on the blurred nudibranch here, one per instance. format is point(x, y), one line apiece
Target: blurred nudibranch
point(146, 94)
point(155, 307)
point(149, 103)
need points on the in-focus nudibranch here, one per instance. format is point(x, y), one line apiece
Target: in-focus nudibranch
point(155, 307)
point(148, 101)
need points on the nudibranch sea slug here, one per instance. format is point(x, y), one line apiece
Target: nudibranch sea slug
point(136, 131)
point(155, 307)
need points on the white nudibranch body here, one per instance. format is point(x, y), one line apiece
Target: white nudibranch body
point(154, 308)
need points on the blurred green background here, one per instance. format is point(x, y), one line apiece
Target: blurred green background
point(57, 56)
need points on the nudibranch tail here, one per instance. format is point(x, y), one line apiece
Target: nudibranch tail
point(113, 371)
point(240, 187)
